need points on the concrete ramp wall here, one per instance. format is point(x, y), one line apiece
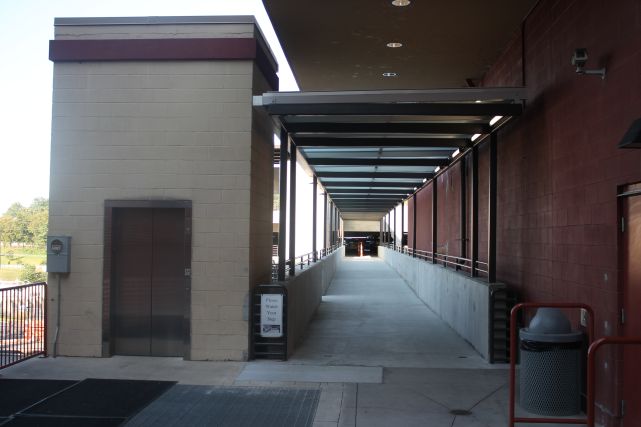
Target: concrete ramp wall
point(462, 302)
point(305, 291)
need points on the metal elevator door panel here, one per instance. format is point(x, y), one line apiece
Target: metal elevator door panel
point(132, 258)
point(168, 282)
point(149, 281)
point(631, 298)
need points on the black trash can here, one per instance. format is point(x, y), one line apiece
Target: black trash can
point(550, 372)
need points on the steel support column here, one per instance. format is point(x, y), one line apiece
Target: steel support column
point(331, 223)
point(338, 226)
point(394, 242)
point(414, 227)
point(292, 209)
point(491, 216)
point(402, 221)
point(325, 220)
point(282, 214)
point(389, 227)
point(434, 220)
point(385, 229)
point(474, 235)
point(463, 219)
point(314, 214)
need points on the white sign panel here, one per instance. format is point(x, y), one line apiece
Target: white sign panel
point(271, 315)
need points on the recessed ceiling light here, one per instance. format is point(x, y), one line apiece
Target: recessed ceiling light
point(495, 119)
point(390, 74)
point(478, 101)
point(394, 44)
point(475, 136)
point(401, 2)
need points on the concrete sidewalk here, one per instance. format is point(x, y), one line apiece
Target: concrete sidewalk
point(379, 356)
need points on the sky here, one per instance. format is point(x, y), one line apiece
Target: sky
point(26, 76)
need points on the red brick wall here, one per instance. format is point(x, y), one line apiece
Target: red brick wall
point(559, 166)
point(448, 206)
point(424, 219)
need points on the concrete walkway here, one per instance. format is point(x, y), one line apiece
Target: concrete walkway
point(370, 317)
point(379, 356)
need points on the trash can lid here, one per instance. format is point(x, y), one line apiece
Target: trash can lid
point(550, 325)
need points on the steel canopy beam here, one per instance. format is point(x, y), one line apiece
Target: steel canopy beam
point(367, 191)
point(393, 184)
point(399, 175)
point(366, 209)
point(405, 109)
point(367, 202)
point(318, 161)
point(364, 196)
point(381, 141)
point(489, 94)
point(416, 128)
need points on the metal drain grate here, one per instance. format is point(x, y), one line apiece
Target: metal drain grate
point(186, 405)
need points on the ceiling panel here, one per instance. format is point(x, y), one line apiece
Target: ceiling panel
point(341, 45)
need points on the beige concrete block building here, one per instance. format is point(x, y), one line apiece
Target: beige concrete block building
point(161, 173)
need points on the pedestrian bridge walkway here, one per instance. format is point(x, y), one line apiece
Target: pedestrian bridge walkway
point(370, 317)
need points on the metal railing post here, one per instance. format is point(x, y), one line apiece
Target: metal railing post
point(314, 213)
point(292, 209)
point(282, 215)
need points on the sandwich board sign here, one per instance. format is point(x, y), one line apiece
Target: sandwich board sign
point(271, 315)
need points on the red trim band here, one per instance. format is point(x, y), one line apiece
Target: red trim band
point(163, 50)
point(151, 49)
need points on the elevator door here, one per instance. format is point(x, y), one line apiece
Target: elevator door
point(631, 253)
point(149, 281)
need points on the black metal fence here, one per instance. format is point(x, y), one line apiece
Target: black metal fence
point(302, 261)
point(23, 326)
point(449, 261)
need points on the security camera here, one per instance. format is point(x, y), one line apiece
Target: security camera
point(580, 58)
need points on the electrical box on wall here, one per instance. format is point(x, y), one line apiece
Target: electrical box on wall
point(58, 254)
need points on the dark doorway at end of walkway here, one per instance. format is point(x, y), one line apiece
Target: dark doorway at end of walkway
point(361, 243)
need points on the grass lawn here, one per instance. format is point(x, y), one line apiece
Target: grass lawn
point(28, 256)
point(25, 259)
point(9, 275)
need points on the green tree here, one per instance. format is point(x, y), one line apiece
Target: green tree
point(9, 230)
point(30, 275)
point(15, 209)
point(38, 227)
point(39, 204)
point(25, 225)
point(19, 232)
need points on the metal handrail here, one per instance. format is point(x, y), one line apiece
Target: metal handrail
point(513, 314)
point(23, 329)
point(457, 262)
point(594, 347)
point(305, 259)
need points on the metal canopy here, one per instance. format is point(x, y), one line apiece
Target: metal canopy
point(372, 149)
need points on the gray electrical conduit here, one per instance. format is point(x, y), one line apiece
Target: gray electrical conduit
point(55, 341)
